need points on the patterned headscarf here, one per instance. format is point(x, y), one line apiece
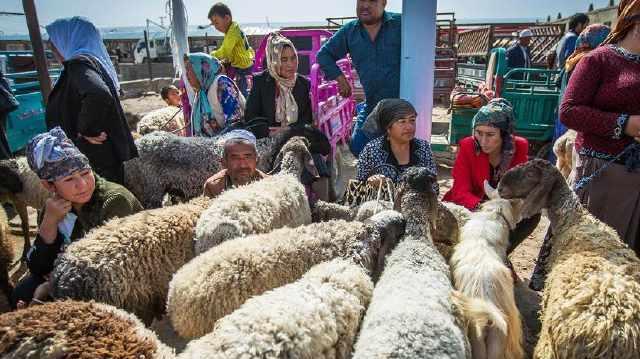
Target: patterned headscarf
point(628, 11)
point(286, 106)
point(588, 40)
point(498, 113)
point(52, 156)
point(205, 68)
point(78, 36)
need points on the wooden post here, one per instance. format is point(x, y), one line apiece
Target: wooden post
point(38, 48)
point(146, 42)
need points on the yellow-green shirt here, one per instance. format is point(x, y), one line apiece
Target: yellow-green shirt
point(235, 48)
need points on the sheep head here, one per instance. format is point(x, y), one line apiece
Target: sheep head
point(388, 227)
point(415, 197)
point(294, 156)
point(10, 182)
point(534, 182)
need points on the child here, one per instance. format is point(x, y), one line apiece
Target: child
point(171, 95)
point(235, 47)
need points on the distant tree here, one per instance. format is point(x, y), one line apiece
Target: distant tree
point(612, 3)
point(559, 15)
point(590, 7)
point(548, 18)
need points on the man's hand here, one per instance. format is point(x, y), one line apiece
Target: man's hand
point(344, 88)
point(96, 140)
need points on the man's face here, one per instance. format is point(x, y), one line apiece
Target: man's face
point(370, 11)
point(240, 160)
point(525, 41)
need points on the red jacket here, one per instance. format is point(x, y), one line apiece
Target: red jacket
point(471, 170)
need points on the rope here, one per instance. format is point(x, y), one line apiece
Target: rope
point(172, 117)
point(584, 181)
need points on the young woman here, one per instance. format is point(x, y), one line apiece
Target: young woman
point(81, 201)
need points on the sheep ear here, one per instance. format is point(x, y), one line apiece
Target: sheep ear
point(491, 192)
point(516, 208)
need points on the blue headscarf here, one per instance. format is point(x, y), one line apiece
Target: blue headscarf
point(52, 156)
point(78, 36)
point(205, 68)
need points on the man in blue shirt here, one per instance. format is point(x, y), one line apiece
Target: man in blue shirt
point(373, 41)
point(567, 44)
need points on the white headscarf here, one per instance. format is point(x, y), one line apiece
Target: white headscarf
point(286, 106)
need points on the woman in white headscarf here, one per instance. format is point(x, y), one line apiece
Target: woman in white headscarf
point(279, 94)
point(84, 101)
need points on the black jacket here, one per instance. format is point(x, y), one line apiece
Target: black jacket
point(515, 57)
point(109, 200)
point(262, 99)
point(84, 102)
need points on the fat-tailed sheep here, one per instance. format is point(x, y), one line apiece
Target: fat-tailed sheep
point(70, 329)
point(128, 262)
point(218, 281)
point(315, 317)
point(591, 301)
point(411, 314)
point(169, 119)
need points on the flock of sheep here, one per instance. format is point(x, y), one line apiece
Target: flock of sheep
point(258, 273)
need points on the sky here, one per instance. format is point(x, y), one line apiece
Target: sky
point(135, 12)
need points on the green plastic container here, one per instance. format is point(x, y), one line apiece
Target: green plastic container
point(460, 127)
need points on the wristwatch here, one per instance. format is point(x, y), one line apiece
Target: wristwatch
point(621, 123)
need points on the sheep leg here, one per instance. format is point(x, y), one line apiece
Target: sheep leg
point(495, 343)
point(478, 345)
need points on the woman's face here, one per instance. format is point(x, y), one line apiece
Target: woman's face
point(288, 63)
point(76, 188)
point(489, 139)
point(403, 130)
point(191, 75)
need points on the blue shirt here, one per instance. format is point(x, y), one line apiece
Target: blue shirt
point(565, 48)
point(377, 62)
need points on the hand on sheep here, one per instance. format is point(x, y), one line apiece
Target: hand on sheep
point(96, 140)
point(633, 127)
point(376, 180)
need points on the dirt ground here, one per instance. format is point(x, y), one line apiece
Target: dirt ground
point(523, 258)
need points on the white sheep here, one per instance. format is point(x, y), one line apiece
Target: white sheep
point(220, 280)
point(262, 206)
point(566, 155)
point(22, 187)
point(315, 317)
point(591, 301)
point(69, 329)
point(169, 119)
point(411, 314)
point(479, 271)
point(128, 262)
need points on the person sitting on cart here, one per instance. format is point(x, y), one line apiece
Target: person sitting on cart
point(280, 96)
point(487, 155)
point(81, 201)
point(239, 162)
point(396, 147)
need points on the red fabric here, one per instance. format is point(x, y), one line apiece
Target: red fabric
point(603, 86)
point(471, 170)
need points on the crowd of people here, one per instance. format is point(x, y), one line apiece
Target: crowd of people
point(80, 160)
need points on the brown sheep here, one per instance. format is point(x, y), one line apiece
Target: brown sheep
point(6, 258)
point(72, 329)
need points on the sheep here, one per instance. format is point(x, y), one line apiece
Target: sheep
point(564, 149)
point(128, 262)
point(261, 206)
point(6, 258)
point(591, 302)
point(411, 314)
point(315, 317)
point(180, 165)
point(218, 281)
point(325, 211)
point(21, 186)
point(479, 271)
point(169, 119)
point(70, 329)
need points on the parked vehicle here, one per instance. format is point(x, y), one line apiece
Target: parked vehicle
point(159, 49)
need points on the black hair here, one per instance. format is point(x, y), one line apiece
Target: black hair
point(577, 19)
point(219, 9)
point(164, 92)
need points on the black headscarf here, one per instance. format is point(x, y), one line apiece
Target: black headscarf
point(385, 113)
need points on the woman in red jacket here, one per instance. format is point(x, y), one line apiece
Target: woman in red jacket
point(486, 156)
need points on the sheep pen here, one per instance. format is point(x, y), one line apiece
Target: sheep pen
point(315, 317)
point(220, 280)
